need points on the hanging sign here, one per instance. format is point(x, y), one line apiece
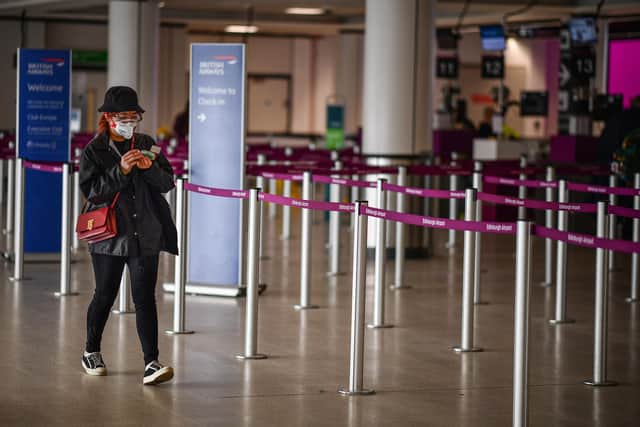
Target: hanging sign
point(492, 67)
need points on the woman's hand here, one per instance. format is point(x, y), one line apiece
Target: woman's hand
point(129, 160)
point(144, 163)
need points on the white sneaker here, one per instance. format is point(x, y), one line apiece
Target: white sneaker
point(93, 364)
point(156, 373)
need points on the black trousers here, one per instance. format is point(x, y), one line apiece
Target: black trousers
point(143, 271)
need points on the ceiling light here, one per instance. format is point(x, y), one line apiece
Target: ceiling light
point(304, 11)
point(242, 29)
point(161, 4)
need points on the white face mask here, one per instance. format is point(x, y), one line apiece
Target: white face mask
point(125, 130)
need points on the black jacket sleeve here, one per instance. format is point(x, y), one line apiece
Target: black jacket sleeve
point(159, 175)
point(100, 185)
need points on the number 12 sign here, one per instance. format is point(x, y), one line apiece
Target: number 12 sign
point(492, 67)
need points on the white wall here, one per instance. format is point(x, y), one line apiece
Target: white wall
point(303, 90)
point(10, 34)
point(173, 75)
point(88, 86)
point(324, 80)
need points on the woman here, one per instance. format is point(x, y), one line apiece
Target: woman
point(121, 163)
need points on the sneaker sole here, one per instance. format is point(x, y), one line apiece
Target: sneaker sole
point(164, 374)
point(100, 372)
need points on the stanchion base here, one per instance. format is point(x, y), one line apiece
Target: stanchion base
point(481, 303)
point(399, 288)
point(383, 326)
point(170, 332)
point(365, 392)
point(335, 274)
point(546, 284)
point(605, 383)
point(450, 245)
point(65, 294)
point(458, 349)
point(17, 280)
point(632, 300)
point(305, 307)
point(252, 357)
point(561, 321)
point(123, 311)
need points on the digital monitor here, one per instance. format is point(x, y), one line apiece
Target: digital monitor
point(606, 104)
point(492, 37)
point(534, 103)
point(447, 39)
point(583, 30)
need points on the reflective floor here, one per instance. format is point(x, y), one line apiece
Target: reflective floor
point(417, 378)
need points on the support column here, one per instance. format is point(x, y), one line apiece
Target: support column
point(133, 53)
point(349, 78)
point(398, 73)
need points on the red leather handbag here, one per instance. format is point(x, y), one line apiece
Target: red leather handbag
point(98, 225)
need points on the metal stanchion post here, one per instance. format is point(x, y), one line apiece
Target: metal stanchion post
point(521, 325)
point(428, 231)
point(77, 196)
point(124, 299)
point(286, 212)
point(11, 176)
point(522, 190)
point(65, 244)
point(253, 266)
point(355, 195)
point(398, 282)
point(548, 222)
point(453, 211)
point(18, 226)
point(273, 189)
point(612, 221)
point(561, 265)
point(334, 229)
point(356, 354)
point(262, 160)
point(601, 304)
point(305, 250)
point(636, 238)
point(180, 270)
point(380, 258)
point(477, 184)
point(468, 308)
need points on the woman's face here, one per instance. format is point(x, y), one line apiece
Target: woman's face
point(124, 123)
point(126, 117)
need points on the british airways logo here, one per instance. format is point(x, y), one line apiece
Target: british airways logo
point(57, 61)
point(229, 59)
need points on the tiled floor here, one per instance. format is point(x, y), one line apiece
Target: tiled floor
point(418, 379)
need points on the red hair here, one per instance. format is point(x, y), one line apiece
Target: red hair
point(103, 123)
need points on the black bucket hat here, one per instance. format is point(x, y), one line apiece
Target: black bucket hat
point(119, 99)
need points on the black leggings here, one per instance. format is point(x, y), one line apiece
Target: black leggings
point(143, 271)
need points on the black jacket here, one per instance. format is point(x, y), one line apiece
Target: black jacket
point(145, 225)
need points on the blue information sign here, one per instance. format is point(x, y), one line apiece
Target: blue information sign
point(216, 159)
point(43, 134)
point(44, 102)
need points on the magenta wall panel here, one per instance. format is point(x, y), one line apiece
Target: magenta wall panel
point(624, 65)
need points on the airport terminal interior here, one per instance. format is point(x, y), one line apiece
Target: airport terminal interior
point(320, 213)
